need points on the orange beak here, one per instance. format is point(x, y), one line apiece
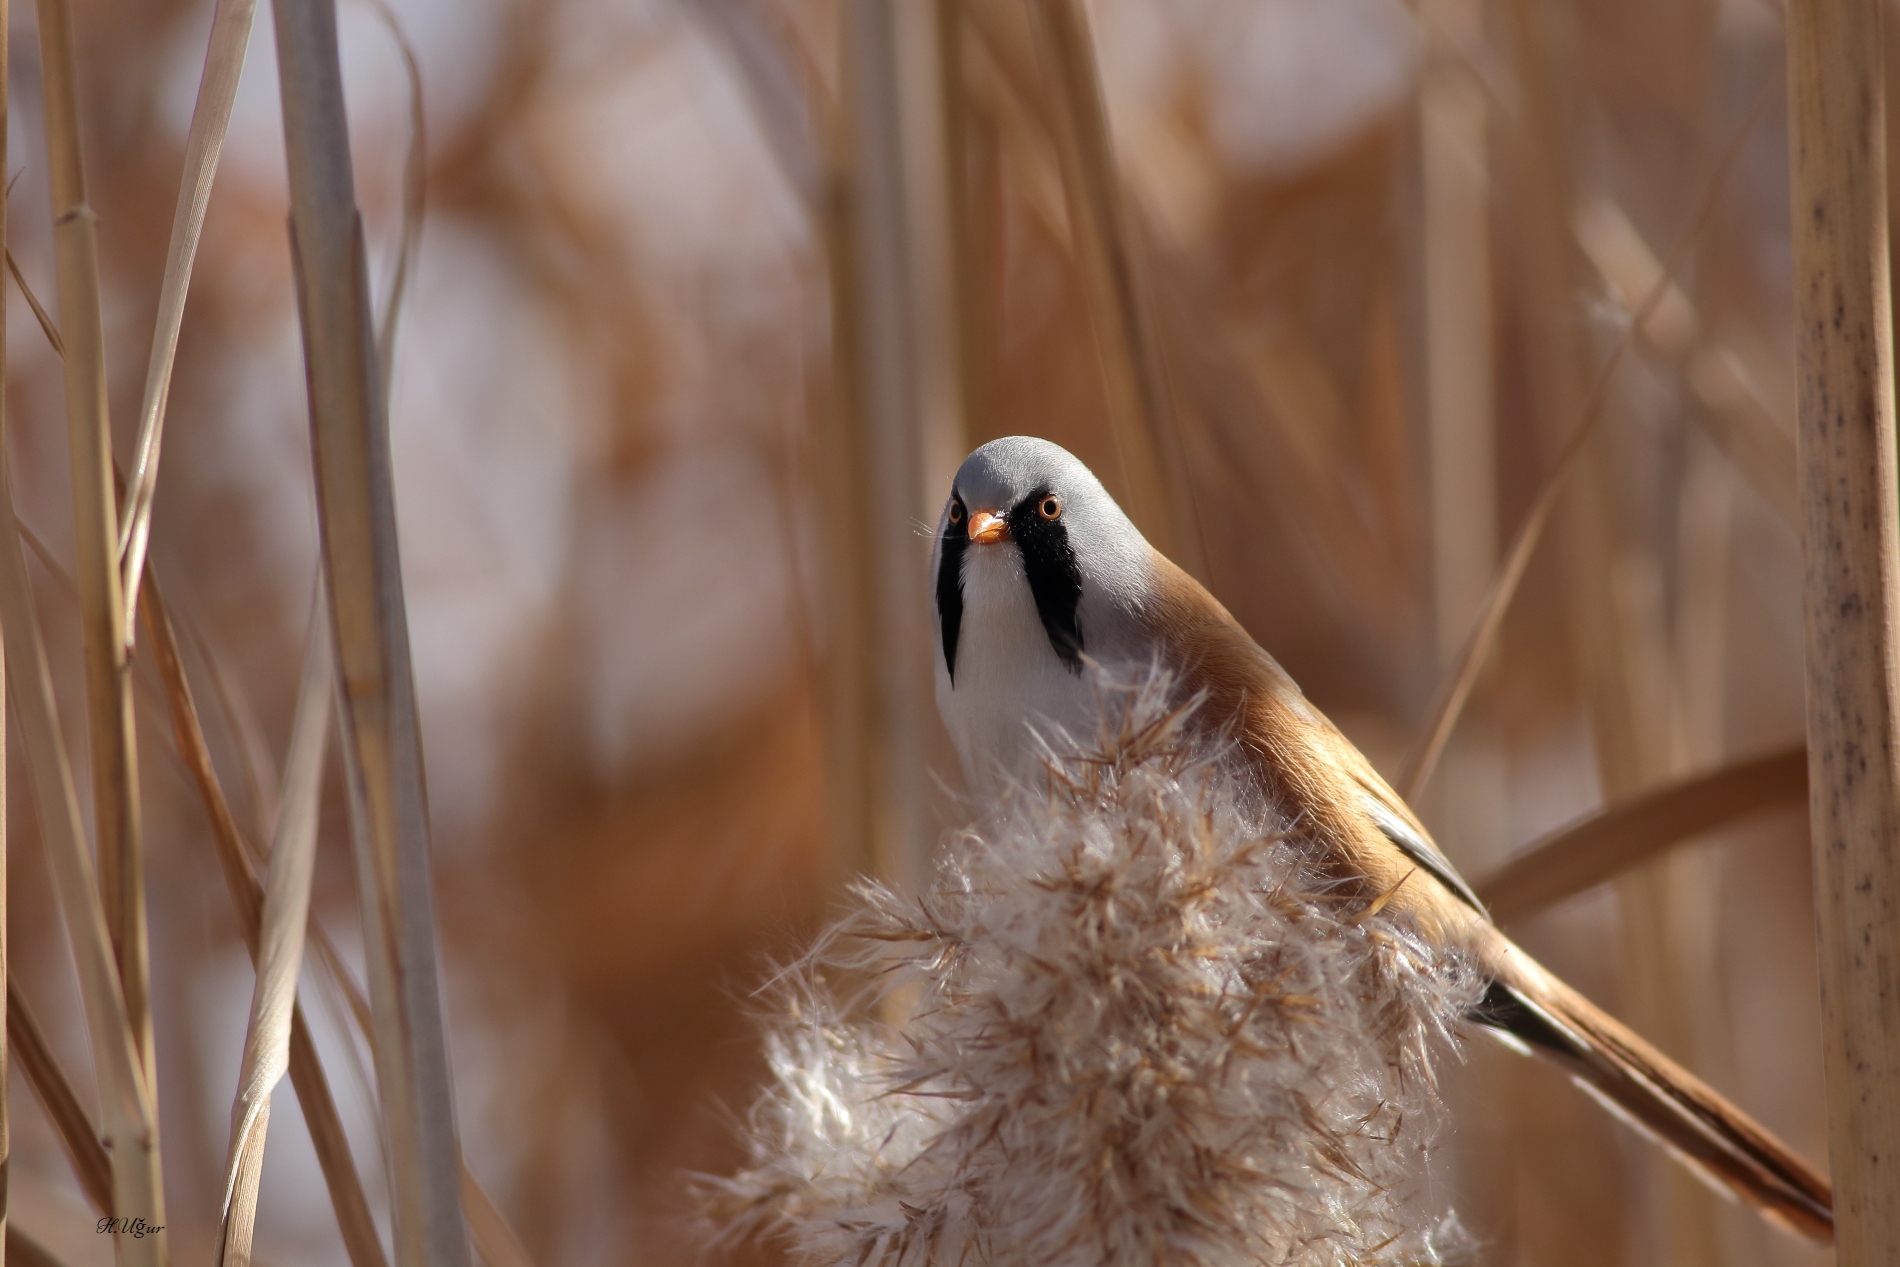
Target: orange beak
point(987, 526)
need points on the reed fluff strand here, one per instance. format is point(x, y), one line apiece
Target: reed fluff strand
point(1139, 1030)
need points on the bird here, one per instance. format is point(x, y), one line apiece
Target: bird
point(1043, 585)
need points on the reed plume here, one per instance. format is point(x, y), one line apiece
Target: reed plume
point(1139, 1028)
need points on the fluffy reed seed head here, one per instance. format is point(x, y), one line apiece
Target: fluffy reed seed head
point(1138, 1029)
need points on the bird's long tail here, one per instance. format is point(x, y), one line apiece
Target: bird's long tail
point(1722, 1144)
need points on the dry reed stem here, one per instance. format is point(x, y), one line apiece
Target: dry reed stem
point(999, 64)
point(210, 118)
point(497, 1243)
point(381, 736)
point(110, 730)
point(846, 569)
point(47, 327)
point(129, 1129)
point(354, 1220)
point(1850, 535)
point(23, 1251)
point(1455, 688)
point(954, 106)
point(878, 314)
point(1736, 415)
point(786, 98)
point(90, 1164)
point(1460, 386)
point(414, 187)
point(494, 1239)
point(280, 944)
point(1626, 835)
point(1134, 380)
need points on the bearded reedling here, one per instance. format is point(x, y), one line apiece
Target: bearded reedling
point(1045, 588)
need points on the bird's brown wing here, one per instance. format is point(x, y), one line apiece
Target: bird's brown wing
point(1316, 777)
point(1325, 785)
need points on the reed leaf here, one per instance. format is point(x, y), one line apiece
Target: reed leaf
point(280, 944)
point(210, 117)
point(128, 1123)
point(381, 739)
point(1608, 843)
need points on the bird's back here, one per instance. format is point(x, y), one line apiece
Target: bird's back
point(1360, 829)
point(1316, 779)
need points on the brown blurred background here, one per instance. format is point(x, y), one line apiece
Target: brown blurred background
point(713, 294)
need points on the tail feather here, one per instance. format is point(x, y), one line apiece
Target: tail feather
point(1718, 1141)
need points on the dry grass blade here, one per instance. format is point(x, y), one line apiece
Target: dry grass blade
point(95, 512)
point(280, 944)
point(90, 1164)
point(129, 1130)
point(381, 739)
point(217, 90)
point(1134, 381)
point(1456, 686)
point(414, 186)
point(1623, 836)
point(494, 1239)
point(353, 1216)
point(47, 327)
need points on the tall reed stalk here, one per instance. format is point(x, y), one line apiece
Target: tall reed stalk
point(1850, 536)
point(95, 510)
point(377, 704)
point(1109, 262)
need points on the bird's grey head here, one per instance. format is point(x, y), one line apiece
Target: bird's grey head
point(1028, 527)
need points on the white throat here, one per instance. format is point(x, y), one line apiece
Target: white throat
point(1010, 685)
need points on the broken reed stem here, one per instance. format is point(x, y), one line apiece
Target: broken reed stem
point(95, 512)
point(280, 943)
point(1127, 345)
point(354, 1220)
point(210, 118)
point(1850, 534)
point(377, 702)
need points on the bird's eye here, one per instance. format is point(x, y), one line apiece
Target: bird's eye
point(1049, 507)
point(956, 512)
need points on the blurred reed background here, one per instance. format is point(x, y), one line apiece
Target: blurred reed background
point(712, 295)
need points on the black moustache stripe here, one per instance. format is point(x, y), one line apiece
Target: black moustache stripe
point(1055, 579)
point(956, 538)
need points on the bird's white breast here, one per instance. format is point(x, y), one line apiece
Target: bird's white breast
point(1010, 686)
